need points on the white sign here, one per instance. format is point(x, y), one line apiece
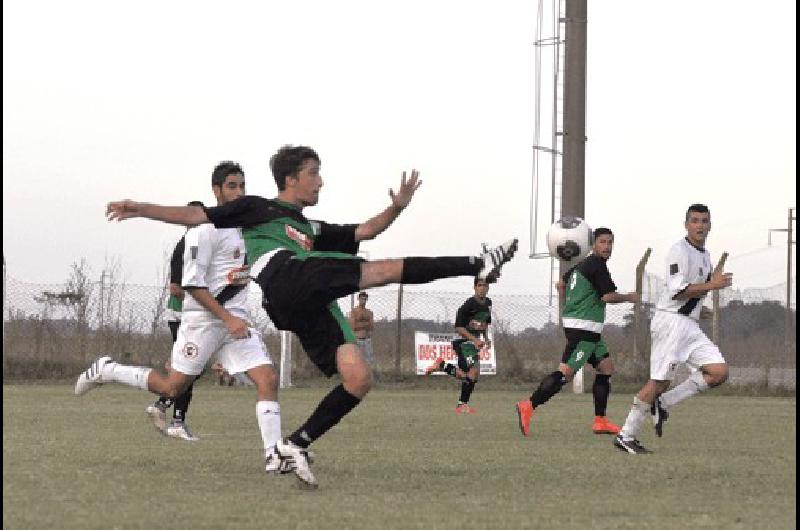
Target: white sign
point(430, 346)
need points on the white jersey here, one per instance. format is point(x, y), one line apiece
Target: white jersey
point(686, 264)
point(214, 258)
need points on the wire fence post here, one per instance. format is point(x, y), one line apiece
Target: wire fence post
point(715, 301)
point(286, 359)
point(398, 350)
point(637, 310)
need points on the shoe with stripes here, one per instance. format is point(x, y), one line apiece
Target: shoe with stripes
point(631, 446)
point(659, 415)
point(92, 377)
point(494, 259)
point(158, 413)
point(299, 459)
point(179, 429)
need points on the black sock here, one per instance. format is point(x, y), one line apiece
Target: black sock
point(467, 386)
point(424, 270)
point(329, 412)
point(450, 369)
point(549, 387)
point(164, 403)
point(600, 389)
point(182, 404)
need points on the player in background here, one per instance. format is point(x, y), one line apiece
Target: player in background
point(214, 321)
point(362, 321)
point(585, 288)
point(472, 324)
point(676, 336)
point(178, 427)
point(303, 267)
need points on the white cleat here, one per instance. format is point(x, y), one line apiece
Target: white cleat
point(495, 258)
point(299, 459)
point(275, 465)
point(92, 377)
point(158, 415)
point(179, 429)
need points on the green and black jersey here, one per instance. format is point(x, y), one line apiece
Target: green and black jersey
point(176, 274)
point(270, 224)
point(474, 312)
point(586, 283)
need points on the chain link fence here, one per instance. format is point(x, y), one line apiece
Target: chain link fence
point(55, 330)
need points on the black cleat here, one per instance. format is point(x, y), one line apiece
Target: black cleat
point(660, 416)
point(631, 446)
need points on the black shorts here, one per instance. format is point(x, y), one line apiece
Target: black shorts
point(583, 347)
point(467, 354)
point(300, 294)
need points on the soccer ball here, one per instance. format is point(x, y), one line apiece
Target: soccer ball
point(570, 239)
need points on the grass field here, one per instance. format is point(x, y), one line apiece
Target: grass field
point(402, 460)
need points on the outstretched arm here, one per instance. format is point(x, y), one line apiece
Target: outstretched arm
point(370, 229)
point(179, 215)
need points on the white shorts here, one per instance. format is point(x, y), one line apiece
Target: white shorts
point(198, 341)
point(678, 339)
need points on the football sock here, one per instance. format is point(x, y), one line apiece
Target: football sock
point(450, 369)
point(268, 414)
point(164, 403)
point(127, 375)
point(424, 270)
point(695, 384)
point(636, 417)
point(600, 391)
point(467, 386)
point(182, 404)
point(549, 387)
point(330, 410)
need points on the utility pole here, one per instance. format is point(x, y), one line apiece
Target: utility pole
point(789, 320)
point(573, 180)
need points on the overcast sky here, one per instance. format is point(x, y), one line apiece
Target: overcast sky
point(687, 101)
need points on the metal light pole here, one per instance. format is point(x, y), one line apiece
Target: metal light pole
point(789, 321)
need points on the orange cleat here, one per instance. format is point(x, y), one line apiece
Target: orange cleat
point(435, 367)
point(463, 408)
point(602, 425)
point(525, 413)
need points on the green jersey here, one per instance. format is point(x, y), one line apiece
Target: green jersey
point(586, 283)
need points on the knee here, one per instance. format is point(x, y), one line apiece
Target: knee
point(359, 383)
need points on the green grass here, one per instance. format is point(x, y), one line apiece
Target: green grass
point(403, 459)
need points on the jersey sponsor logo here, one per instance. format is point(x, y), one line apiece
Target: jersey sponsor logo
point(299, 237)
point(190, 350)
point(673, 269)
point(579, 355)
point(239, 275)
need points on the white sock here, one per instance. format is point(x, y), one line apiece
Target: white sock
point(128, 375)
point(636, 417)
point(695, 384)
point(268, 414)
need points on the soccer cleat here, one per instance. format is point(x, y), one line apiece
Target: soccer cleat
point(275, 465)
point(92, 377)
point(659, 415)
point(158, 414)
point(631, 446)
point(464, 408)
point(525, 413)
point(299, 459)
point(179, 429)
point(602, 425)
point(436, 366)
point(494, 259)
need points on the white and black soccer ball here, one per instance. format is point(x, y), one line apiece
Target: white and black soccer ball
point(570, 239)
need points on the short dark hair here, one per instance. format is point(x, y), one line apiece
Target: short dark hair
point(478, 279)
point(224, 169)
point(364, 294)
point(699, 208)
point(288, 161)
point(602, 231)
point(196, 203)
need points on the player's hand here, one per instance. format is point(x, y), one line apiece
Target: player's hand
point(406, 191)
point(238, 328)
point(479, 344)
point(634, 297)
point(121, 210)
point(720, 280)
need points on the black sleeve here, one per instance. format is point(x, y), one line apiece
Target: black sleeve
point(244, 212)
point(176, 262)
point(489, 308)
point(567, 274)
point(600, 278)
point(464, 314)
point(336, 238)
